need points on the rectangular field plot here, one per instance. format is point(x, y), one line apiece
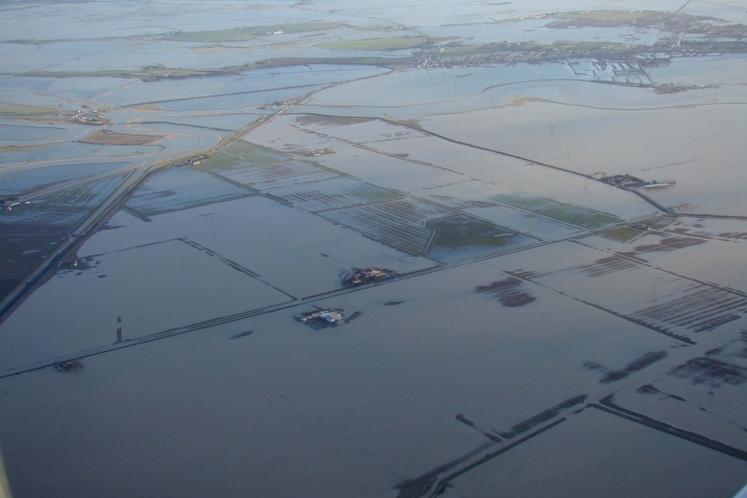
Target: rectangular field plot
point(565, 213)
point(27, 180)
point(699, 308)
point(23, 248)
point(714, 253)
point(333, 193)
point(401, 224)
point(140, 291)
point(642, 464)
point(421, 228)
point(181, 188)
point(722, 229)
point(299, 252)
point(266, 176)
point(65, 207)
point(358, 130)
point(478, 198)
point(262, 169)
point(466, 160)
point(385, 170)
point(31, 232)
point(658, 300)
point(703, 395)
point(460, 237)
point(401, 374)
point(510, 173)
point(240, 154)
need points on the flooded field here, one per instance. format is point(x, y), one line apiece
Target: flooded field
point(703, 394)
point(33, 229)
point(604, 149)
point(377, 371)
point(26, 180)
point(665, 302)
point(639, 452)
point(99, 280)
point(678, 246)
point(396, 249)
point(180, 188)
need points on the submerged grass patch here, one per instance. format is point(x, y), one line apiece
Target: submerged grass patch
point(34, 113)
point(567, 213)
point(109, 137)
point(249, 32)
point(459, 237)
point(238, 154)
point(609, 16)
point(622, 234)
